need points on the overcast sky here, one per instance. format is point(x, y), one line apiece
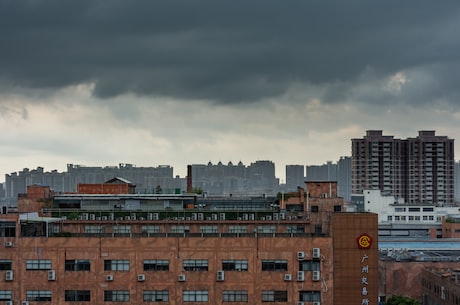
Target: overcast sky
point(99, 83)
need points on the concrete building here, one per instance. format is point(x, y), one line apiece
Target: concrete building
point(179, 256)
point(295, 177)
point(397, 219)
point(340, 172)
point(419, 169)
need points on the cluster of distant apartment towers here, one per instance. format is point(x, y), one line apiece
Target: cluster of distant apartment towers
point(421, 170)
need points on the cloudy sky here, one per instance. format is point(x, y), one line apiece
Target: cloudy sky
point(98, 83)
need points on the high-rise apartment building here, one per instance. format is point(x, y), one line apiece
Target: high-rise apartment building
point(457, 181)
point(420, 169)
point(295, 177)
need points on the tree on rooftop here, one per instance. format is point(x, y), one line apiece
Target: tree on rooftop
point(401, 300)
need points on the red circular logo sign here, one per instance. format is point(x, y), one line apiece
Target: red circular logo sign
point(364, 241)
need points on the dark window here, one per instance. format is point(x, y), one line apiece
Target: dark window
point(314, 209)
point(274, 296)
point(337, 208)
point(274, 265)
point(235, 265)
point(234, 296)
point(77, 265)
point(77, 296)
point(6, 264)
point(116, 296)
point(7, 229)
point(156, 296)
point(156, 265)
point(309, 265)
point(116, 265)
point(310, 296)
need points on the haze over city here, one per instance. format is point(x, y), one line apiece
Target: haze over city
point(99, 83)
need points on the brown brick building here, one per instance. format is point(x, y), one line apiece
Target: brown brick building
point(174, 257)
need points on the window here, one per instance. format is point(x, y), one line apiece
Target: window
point(274, 296)
point(314, 209)
point(156, 296)
point(266, 229)
point(195, 265)
point(295, 229)
point(7, 229)
point(94, 229)
point(122, 229)
point(180, 229)
point(195, 296)
point(209, 229)
point(6, 264)
point(389, 218)
point(337, 208)
point(156, 265)
point(77, 265)
point(150, 229)
point(428, 209)
point(116, 265)
point(310, 296)
point(237, 229)
point(414, 209)
point(400, 209)
point(5, 295)
point(116, 295)
point(309, 265)
point(234, 296)
point(235, 265)
point(77, 296)
point(38, 264)
point(274, 265)
point(38, 295)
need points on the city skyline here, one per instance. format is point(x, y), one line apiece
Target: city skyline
point(178, 83)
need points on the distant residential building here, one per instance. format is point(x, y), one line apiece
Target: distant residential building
point(420, 169)
point(340, 172)
point(218, 179)
point(344, 178)
point(295, 177)
point(325, 172)
point(147, 179)
point(457, 181)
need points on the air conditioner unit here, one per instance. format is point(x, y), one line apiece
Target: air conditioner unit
point(8, 302)
point(220, 275)
point(9, 244)
point(141, 277)
point(316, 303)
point(300, 255)
point(316, 276)
point(51, 275)
point(316, 253)
point(25, 303)
point(181, 278)
point(300, 303)
point(268, 217)
point(288, 277)
point(300, 276)
point(109, 277)
point(9, 275)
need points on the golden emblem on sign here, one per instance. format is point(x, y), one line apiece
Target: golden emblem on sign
point(364, 241)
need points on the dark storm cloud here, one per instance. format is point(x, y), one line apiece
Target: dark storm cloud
point(228, 51)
